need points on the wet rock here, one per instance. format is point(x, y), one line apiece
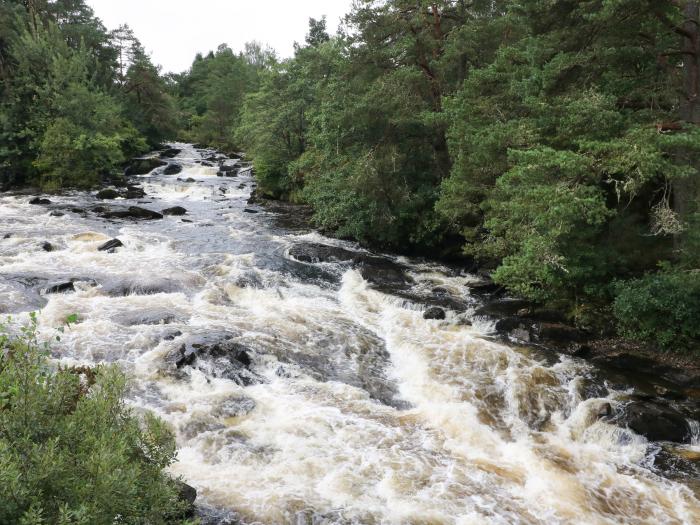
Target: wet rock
point(143, 166)
point(186, 495)
point(235, 407)
point(514, 328)
point(249, 210)
point(64, 287)
point(47, 246)
point(382, 272)
point(56, 213)
point(435, 313)
point(226, 358)
point(175, 210)
point(172, 169)
point(110, 246)
point(485, 287)
point(108, 194)
point(77, 210)
point(40, 201)
point(318, 253)
point(170, 153)
point(151, 316)
point(229, 171)
point(7, 236)
point(134, 192)
point(190, 179)
point(656, 421)
point(604, 411)
point(133, 212)
point(502, 307)
point(140, 287)
point(207, 164)
point(558, 333)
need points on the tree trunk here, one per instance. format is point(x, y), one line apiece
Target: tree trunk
point(685, 191)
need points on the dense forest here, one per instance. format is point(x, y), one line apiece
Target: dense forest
point(552, 143)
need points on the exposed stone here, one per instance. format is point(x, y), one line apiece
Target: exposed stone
point(172, 169)
point(60, 288)
point(107, 194)
point(47, 246)
point(170, 153)
point(317, 253)
point(143, 166)
point(40, 201)
point(110, 246)
point(133, 212)
point(656, 422)
point(434, 312)
point(56, 213)
point(175, 210)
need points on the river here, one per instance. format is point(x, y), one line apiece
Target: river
point(343, 405)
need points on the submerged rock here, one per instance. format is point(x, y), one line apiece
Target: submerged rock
point(47, 246)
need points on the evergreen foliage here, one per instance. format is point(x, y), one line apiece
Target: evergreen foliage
point(71, 451)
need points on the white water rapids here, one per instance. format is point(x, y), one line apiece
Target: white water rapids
point(360, 410)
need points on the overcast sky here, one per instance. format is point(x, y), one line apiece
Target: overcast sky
point(173, 31)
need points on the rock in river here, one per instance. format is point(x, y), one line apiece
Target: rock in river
point(40, 201)
point(108, 194)
point(656, 421)
point(175, 210)
point(172, 169)
point(133, 212)
point(434, 313)
point(110, 246)
point(144, 166)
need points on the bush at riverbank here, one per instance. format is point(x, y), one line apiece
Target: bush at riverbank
point(71, 451)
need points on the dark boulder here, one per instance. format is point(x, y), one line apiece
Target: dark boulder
point(56, 213)
point(39, 201)
point(317, 253)
point(110, 246)
point(172, 169)
point(170, 153)
point(249, 210)
point(65, 287)
point(186, 495)
point(108, 194)
point(382, 272)
point(485, 287)
point(175, 210)
point(206, 163)
point(134, 192)
point(656, 421)
point(133, 212)
point(558, 333)
point(143, 166)
point(502, 307)
point(190, 179)
point(435, 313)
point(228, 169)
point(47, 246)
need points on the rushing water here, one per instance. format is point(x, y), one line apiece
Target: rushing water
point(354, 408)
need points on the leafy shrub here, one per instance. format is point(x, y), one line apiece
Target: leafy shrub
point(71, 451)
point(663, 308)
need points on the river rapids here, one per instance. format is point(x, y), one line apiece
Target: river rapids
point(346, 405)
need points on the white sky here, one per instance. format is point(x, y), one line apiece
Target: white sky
point(173, 31)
